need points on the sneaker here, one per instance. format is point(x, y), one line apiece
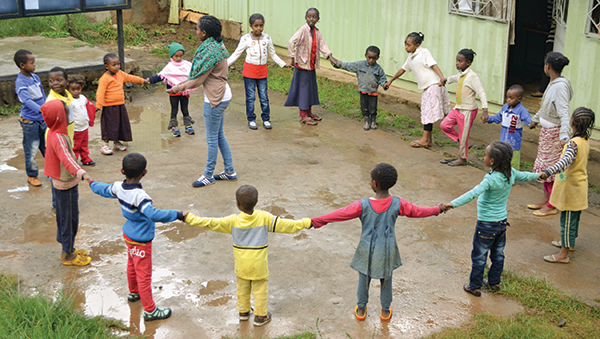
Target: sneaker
point(106, 150)
point(203, 181)
point(468, 289)
point(267, 124)
point(175, 132)
point(90, 163)
point(133, 297)
point(244, 316)
point(495, 288)
point(189, 130)
point(119, 146)
point(157, 314)
point(260, 321)
point(252, 124)
point(34, 181)
point(225, 176)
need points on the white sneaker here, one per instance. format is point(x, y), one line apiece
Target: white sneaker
point(267, 124)
point(252, 124)
point(106, 150)
point(119, 146)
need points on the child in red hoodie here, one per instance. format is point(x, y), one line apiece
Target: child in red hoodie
point(61, 166)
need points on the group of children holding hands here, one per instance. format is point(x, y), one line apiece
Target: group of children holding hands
point(67, 115)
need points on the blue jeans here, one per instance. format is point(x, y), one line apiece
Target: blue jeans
point(213, 122)
point(251, 85)
point(363, 291)
point(33, 140)
point(488, 237)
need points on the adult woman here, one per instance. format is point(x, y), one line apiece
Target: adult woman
point(554, 118)
point(209, 68)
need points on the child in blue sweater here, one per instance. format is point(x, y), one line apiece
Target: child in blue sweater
point(138, 230)
point(30, 92)
point(512, 116)
point(490, 232)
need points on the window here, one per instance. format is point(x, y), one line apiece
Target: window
point(487, 9)
point(559, 12)
point(593, 18)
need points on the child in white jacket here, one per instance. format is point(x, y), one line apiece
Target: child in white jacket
point(257, 46)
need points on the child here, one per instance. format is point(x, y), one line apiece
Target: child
point(249, 231)
point(30, 92)
point(257, 46)
point(61, 166)
point(377, 252)
point(490, 232)
point(138, 230)
point(512, 116)
point(174, 73)
point(58, 80)
point(465, 111)
point(110, 98)
point(84, 114)
point(304, 48)
point(435, 103)
point(570, 191)
point(370, 77)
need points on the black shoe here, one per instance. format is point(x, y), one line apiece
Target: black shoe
point(468, 289)
point(260, 321)
point(244, 316)
point(133, 297)
point(495, 288)
point(158, 314)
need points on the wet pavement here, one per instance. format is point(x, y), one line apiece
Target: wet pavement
point(299, 171)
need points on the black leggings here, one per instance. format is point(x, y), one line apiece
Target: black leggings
point(179, 100)
point(428, 127)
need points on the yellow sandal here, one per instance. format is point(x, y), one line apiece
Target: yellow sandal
point(358, 317)
point(78, 261)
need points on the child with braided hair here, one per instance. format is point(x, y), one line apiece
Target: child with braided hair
point(490, 232)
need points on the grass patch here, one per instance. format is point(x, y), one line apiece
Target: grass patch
point(526, 166)
point(160, 52)
point(545, 306)
point(10, 110)
point(42, 317)
point(594, 187)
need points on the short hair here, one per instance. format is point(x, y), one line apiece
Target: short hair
point(417, 38)
point(311, 10)
point(583, 122)
point(21, 57)
point(502, 153)
point(468, 53)
point(557, 61)
point(110, 56)
point(60, 70)
point(518, 88)
point(134, 165)
point(247, 196)
point(77, 79)
point(256, 16)
point(385, 175)
point(373, 49)
point(212, 26)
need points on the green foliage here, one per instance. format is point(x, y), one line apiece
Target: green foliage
point(9, 110)
point(51, 26)
point(160, 52)
point(526, 166)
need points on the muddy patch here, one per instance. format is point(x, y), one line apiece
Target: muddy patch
point(40, 228)
point(278, 212)
point(179, 234)
point(211, 286)
point(109, 247)
point(219, 301)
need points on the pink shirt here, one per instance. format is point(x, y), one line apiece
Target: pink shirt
point(300, 45)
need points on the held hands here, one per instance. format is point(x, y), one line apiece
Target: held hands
point(563, 142)
point(446, 207)
point(288, 65)
point(147, 81)
point(387, 85)
point(485, 116)
point(86, 177)
point(443, 82)
point(543, 175)
point(173, 90)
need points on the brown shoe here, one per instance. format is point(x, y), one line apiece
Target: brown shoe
point(34, 181)
point(468, 289)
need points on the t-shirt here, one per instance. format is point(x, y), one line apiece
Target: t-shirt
point(421, 62)
point(80, 113)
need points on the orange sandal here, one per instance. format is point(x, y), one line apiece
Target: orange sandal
point(315, 117)
point(359, 317)
point(381, 315)
point(308, 122)
point(78, 261)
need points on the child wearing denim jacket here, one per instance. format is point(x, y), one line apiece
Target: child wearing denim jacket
point(490, 232)
point(377, 253)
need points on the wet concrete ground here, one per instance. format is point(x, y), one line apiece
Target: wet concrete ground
point(300, 172)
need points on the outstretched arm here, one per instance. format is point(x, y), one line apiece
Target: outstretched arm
point(351, 211)
point(158, 215)
point(288, 226)
point(396, 76)
point(222, 225)
point(413, 211)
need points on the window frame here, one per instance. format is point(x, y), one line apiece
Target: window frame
point(589, 20)
point(453, 8)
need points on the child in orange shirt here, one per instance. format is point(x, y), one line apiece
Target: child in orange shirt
point(110, 98)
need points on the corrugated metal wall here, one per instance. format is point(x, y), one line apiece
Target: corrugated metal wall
point(350, 26)
point(583, 70)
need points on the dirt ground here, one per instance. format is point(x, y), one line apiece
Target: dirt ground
point(299, 171)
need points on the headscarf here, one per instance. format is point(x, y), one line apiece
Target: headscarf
point(207, 56)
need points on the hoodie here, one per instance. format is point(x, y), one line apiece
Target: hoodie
point(555, 105)
point(60, 163)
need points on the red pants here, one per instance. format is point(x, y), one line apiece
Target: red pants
point(80, 146)
point(139, 272)
point(304, 113)
point(548, 188)
point(464, 120)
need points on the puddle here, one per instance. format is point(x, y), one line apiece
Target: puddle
point(109, 247)
point(18, 161)
point(5, 167)
point(105, 302)
point(219, 301)
point(180, 233)
point(4, 254)
point(278, 212)
point(211, 286)
point(40, 228)
point(19, 189)
point(147, 125)
point(495, 305)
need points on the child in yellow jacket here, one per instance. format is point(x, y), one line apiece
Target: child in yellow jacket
point(249, 230)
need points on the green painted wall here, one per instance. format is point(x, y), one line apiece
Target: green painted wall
point(584, 68)
point(350, 26)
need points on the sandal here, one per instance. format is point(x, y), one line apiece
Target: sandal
point(448, 160)
point(308, 122)
point(418, 145)
point(557, 243)
point(382, 317)
point(359, 317)
point(452, 163)
point(80, 252)
point(315, 117)
point(552, 259)
point(78, 261)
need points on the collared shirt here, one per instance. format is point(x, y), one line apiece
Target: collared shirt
point(421, 62)
point(369, 77)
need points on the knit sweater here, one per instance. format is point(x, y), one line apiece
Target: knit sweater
point(468, 85)
point(555, 105)
point(31, 94)
point(110, 88)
